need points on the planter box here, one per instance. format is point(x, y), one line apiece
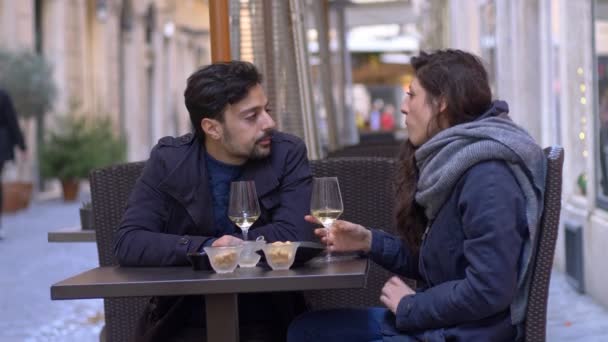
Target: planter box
point(16, 196)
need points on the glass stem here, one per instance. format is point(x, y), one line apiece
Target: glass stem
point(245, 234)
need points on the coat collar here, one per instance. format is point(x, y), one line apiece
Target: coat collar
point(188, 182)
point(263, 175)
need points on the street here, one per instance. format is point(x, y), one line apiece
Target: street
point(29, 265)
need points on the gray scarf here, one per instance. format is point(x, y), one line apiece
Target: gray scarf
point(449, 154)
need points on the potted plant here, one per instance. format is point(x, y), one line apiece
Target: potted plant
point(27, 78)
point(79, 145)
point(86, 215)
point(16, 195)
point(581, 182)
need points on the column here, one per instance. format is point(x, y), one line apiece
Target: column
point(55, 14)
point(518, 49)
point(549, 120)
point(158, 84)
point(348, 129)
point(135, 115)
point(17, 24)
point(113, 87)
point(321, 21)
point(464, 25)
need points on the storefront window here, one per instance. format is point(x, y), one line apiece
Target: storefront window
point(601, 61)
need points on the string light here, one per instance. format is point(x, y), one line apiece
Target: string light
point(582, 179)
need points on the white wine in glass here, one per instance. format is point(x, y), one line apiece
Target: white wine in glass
point(326, 203)
point(326, 216)
point(243, 208)
point(243, 222)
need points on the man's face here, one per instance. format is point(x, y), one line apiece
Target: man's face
point(247, 127)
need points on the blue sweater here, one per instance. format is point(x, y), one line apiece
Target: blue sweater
point(468, 261)
point(220, 176)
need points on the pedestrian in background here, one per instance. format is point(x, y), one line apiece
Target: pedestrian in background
point(10, 136)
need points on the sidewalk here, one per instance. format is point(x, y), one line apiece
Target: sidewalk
point(572, 316)
point(29, 265)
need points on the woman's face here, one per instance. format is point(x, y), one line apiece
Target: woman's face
point(418, 114)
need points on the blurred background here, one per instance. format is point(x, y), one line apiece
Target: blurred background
point(96, 82)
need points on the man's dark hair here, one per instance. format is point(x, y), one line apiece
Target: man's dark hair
point(212, 88)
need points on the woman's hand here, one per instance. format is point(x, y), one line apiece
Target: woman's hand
point(393, 291)
point(344, 236)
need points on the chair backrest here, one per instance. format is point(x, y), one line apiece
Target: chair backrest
point(110, 189)
point(372, 150)
point(536, 314)
point(367, 191)
point(377, 138)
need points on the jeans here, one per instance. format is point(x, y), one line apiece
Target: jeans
point(352, 325)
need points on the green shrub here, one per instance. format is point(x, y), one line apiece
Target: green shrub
point(28, 78)
point(80, 145)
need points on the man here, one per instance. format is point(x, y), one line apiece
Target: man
point(10, 136)
point(180, 202)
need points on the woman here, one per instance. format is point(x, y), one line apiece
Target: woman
point(470, 196)
point(10, 136)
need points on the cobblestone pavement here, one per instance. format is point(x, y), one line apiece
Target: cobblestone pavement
point(572, 316)
point(29, 265)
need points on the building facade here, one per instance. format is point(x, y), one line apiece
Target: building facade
point(553, 71)
point(126, 59)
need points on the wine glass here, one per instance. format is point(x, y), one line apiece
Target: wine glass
point(326, 203)
point(243, 208)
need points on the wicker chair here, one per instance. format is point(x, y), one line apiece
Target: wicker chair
point(110, 189)
point(370, 138)
point(372, 150)
point(372, 177)
point(536, 315)
point(367, 191)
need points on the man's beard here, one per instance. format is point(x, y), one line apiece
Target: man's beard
point(259, 152)
point(255, 153)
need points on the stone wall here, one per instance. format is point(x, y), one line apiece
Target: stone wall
point(128, 67)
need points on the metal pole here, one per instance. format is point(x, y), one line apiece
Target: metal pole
point(348, 134)
point(220, 30)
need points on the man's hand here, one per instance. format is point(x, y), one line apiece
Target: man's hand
point(227, 240)
point(393, 291)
